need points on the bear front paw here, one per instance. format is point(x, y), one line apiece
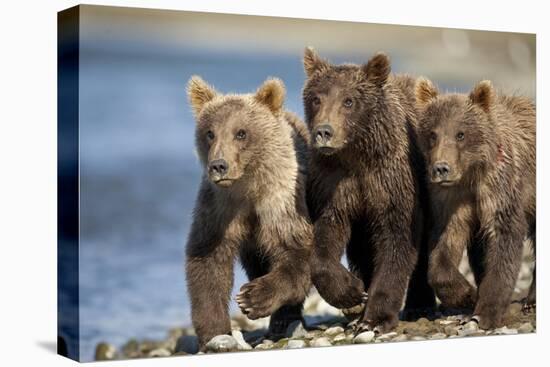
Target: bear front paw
point(340, 289)
point(257, 299)
point(488, 320)
point(528, 305)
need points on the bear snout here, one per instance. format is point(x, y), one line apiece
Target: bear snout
point(322, 135)
point(441, 171)
point(217, 169)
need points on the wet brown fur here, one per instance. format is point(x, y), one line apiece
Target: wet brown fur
point(488, 205)
point(259, 214)
point(365, 189)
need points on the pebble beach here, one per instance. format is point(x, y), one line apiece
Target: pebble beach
point(327, 326)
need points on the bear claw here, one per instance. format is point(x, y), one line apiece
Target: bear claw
point(363, 326)
point(529, 307)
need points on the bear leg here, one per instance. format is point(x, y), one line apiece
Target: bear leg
point(210, 280)
point(336, 284)
point(453, 290)
point(503, 259)
point(476, 257)
point(420, 300)
point(397, 258)
point(281, 320)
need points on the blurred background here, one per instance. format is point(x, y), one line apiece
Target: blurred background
point(138, 169)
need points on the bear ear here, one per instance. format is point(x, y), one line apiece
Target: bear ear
point(378, 69)
point(199, 93)
point(271, 94)
point(424, 91)
point(483, 95)
point(313, 63)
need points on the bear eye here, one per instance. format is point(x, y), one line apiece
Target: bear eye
point(316, 101)
point(348, 102)
point(241, 135)
point(460, 136)
point(210, 135)
point(433, 136)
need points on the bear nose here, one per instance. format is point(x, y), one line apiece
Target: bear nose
point(441, 169)
point(323, 133)
point(218, 166)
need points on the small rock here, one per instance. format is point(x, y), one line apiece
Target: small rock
point(296, 330)
point(188, 344)
point(340, 337)
point(222, 343)
point(387, 336)
point(448, 322)
point(159, 352)
point(131, 349)
point(526, 328)
point(242, 345)
point(438, 336)
point(296, 343)
point(417, 338)
point(471, 325)
point(466, 332)
point(146, 346)
point(451, 330)
point(263, 346)
point(400, 338)
point(105, 352)
point(335, 330)
point(505, 331)
point(320, 342)
point(365, 337)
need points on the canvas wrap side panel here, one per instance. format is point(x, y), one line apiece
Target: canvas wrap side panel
point(67, 183)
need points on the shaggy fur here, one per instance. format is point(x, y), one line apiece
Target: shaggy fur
point(480, 151)
point(365, 188)
point(251, 204)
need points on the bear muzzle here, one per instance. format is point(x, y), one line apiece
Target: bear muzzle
point(441, 173)
point(323, 138)
point(217, 172)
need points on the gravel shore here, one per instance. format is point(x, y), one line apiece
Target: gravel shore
point(326, 326)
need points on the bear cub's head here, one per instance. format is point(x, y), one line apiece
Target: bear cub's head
point(455, 131)
point(232, 131)
point(338, 97)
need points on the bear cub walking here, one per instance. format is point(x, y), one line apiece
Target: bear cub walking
point(480, 152)
point(251, 204)
point(365, 189)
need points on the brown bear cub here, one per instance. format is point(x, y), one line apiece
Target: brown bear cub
point(251, 204)
point(480, 153)
point(365, 189)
